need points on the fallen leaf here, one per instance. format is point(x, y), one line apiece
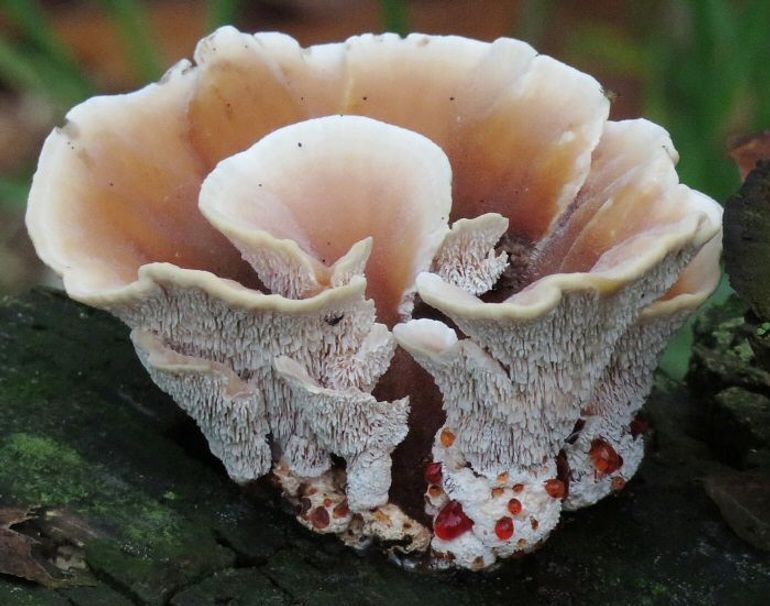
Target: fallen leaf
point(16, 556)
point(748, 150)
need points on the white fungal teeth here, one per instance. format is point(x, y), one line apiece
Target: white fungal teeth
point(230, 412)
point(264, 219)
point(352, 424)
point(467, 256)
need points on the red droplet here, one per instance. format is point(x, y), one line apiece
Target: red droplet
point(638, 427)
point(433, 473)
point(504, 528)
point(514, 506)
point(451, 521)
point(319, 517)
point(555, 489)
point(605, 458)
point(342, 509)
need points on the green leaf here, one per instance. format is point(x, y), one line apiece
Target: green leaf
point(18, 70)
point(223, 12)
point(29, 17)
point(534, 15)
point(676, 359)
point(13, 194)
point(130, 17)
point(605, 45)
point(395, 16)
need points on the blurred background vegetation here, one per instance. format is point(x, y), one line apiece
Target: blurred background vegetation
point(698, 67)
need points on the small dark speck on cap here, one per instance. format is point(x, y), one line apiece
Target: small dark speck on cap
point(364, 98)
point(299, 144)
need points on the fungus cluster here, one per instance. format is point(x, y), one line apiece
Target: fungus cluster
point(423, 282)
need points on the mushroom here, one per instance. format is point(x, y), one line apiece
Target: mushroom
point(218, 400)
point(514, 389)
point(271, 221)
point(336, 419)
point(607, 450)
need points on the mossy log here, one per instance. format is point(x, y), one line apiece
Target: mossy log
point(123, 505)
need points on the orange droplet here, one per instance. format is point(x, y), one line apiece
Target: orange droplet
point(447, 438)
point(503, 477)
point(555, 489)
point(435, 491)
point(328, 502)
point(342, 509)
point(498, 492)
point(618, 483)
point(605, 457)
point(534, 523)
point(518, 487)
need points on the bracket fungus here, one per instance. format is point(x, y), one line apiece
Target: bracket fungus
point(423, 282)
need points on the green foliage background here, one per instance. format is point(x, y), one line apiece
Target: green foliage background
point(702, 63)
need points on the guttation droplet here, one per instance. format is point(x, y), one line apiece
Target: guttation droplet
point(514, 506)
point(451, 521)
point(319, 517)
point(504, 528)
point(555, 489)
point(342, 509)
point(605, 457)
point(433, 473)
point(447, 438)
